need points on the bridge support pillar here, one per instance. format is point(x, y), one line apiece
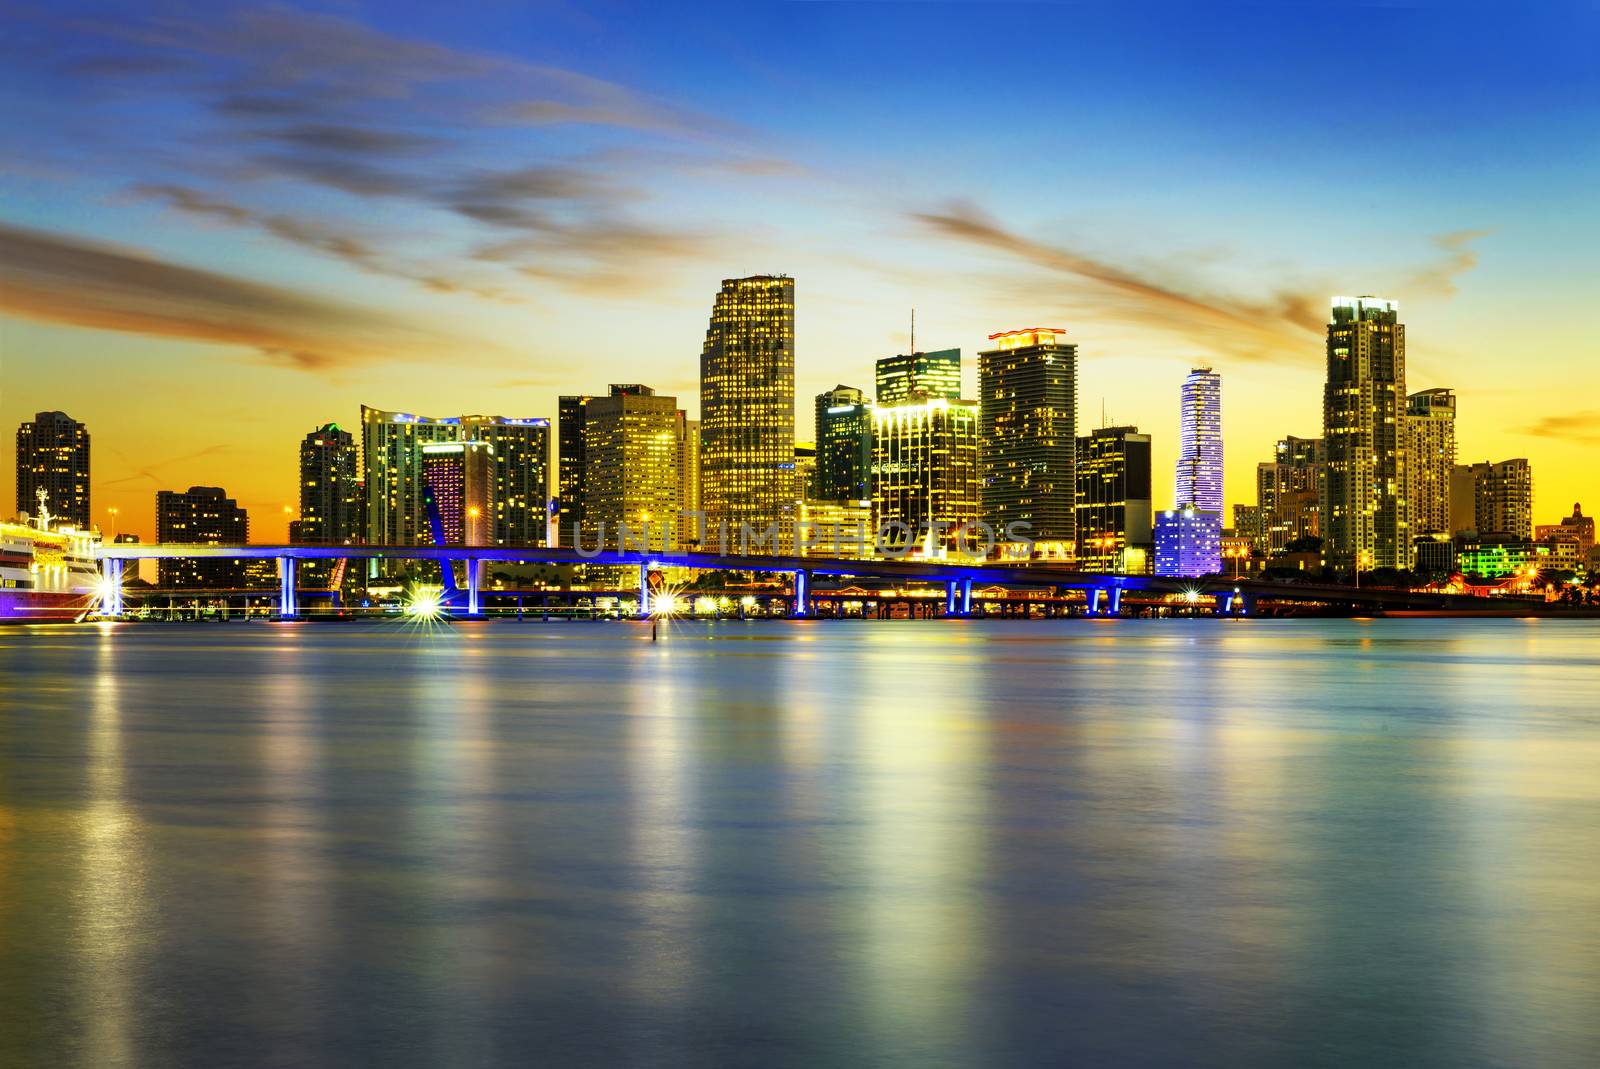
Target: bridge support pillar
point(474, 570)
point(111, 604)
point(802, 593)
point(1094, 601)
point(966, 597)
point(644, 590)
point(951, 588)
point(1116, 601)
point(287, 608)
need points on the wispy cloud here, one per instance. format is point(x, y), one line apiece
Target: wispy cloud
point(1582, 427)
point(61, 279)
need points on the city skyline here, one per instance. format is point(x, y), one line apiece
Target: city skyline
point(302, 229)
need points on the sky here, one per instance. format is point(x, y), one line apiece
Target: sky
point(222, 226)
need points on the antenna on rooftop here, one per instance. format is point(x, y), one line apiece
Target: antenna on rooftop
point(913, 332)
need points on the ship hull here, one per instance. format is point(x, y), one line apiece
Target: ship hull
point(41, 606)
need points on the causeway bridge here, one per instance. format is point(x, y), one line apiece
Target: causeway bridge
point(1103, 593)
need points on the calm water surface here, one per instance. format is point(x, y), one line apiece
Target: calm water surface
point(819, 844)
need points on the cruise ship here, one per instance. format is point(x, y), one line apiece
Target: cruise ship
point(48, 574)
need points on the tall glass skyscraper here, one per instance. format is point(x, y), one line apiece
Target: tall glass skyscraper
point(1199, 481)
point(1114, 524)
point(919, 376)
point(1028, 397)
point(925, 472)
point(844, 446)
point(747, 408)
point(53, 456)
point(1365, 522)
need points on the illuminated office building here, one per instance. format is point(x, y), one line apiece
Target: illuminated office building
point(631, 448)
point(805, 470)
point(844, 445)
point(1114, 521)
point(925, 471)
point(1365, 523)
point(1188, 542)
point(688, 474)
point(919, 377)
point(747, 408)
point(53, 456)
point(391, 458)
point(570, 465)
point(1199, 475)
point(1430, 458)
point(458, 481)
point(201, 516)
point(1028, 397)
point(842, 529)
point(521, 475)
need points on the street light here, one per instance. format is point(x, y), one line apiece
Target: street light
point(114, 511)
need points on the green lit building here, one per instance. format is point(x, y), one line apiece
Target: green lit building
point(844, 445)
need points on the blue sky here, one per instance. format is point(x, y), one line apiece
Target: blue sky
point(224, 225)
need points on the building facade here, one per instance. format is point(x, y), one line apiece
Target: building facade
point(1199, 473)
point(569, 465)
point(1430, 458)
point(1501, 496)
point(521, 476)
point(458, 480)
point(844, 445)
point(201, 516)
point(747, 407)
point(391, 460)
point(912, 377)
point(631, 453)
point(1114, 522)
point(841, 529)
point(53, 456)
point(1188, 542)
point(1576, 527)
point(1288, 492)
point(925, 473)
point(688, 431)
point(1365, 522)
point(1028, 398)
point(330, 487)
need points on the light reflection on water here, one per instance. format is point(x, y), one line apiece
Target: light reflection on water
point(886, 843)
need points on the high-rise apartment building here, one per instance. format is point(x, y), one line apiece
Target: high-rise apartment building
point(844, 445)
point(391, 457)
point(1028, 396)
point(53, 456)
point(1288, 492)
point(330, 487)
point(521, 476)
point(1430, 458)
point(1501, 496)
point(570, 465)
point(1365, 522)
point(1188, 542)
point(925, 472)
point(201, 516)
point(631, 451)
point(747, 408)
point(1199, 474)
point(919, 377)
point(1114, 516)
point(458, 487)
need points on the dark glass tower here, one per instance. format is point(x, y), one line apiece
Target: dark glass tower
point(844, 446)
point(912, 377)
point(201, 516)
point(53, 456)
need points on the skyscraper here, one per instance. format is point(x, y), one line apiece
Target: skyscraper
point(329, 487)
point(521, 474)
point(844, 445)
point(925, 471)
point(1501, 497)
point(391, 457)
point(458, 480)
point(570, 467)
point(1114, 521)
point(1430, 457)
point(747, 407)
point(1028, 397)
point(53, 456)
point(1199, 476)
point(688, 475)
point(1288, 492)
point(919, 376)
point(201, 516)
point(631, 472)
point(1364, 517)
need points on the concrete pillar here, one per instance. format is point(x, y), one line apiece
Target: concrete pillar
point(950, 592)
point(1094, 601)
point(111, 604)
point(802, 593)
point(966, 597)
point(1116, 601)
point(644, 590)
point(286, 604)
point(474, 568)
